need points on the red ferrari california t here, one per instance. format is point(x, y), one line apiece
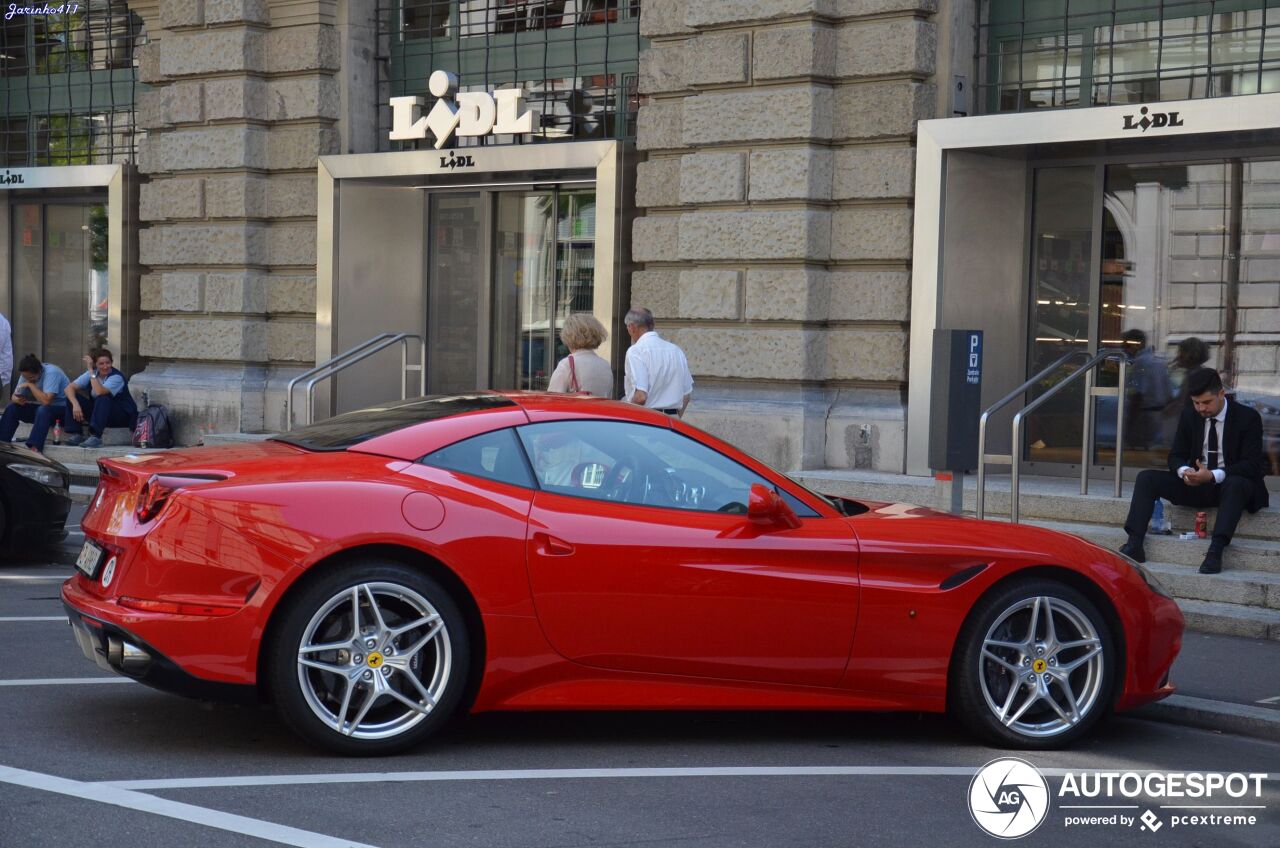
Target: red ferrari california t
point(378, 572)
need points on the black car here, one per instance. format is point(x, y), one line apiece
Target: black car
point(35, 497)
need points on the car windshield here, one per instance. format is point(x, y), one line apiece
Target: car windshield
point(351, 428)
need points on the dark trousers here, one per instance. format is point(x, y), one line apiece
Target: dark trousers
point(1230, 498)
point(101, 412)
point(40, 416)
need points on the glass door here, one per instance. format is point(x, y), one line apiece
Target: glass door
point(457, 299)
point(524, 289)
point(59, 279)
point(1063, 295)
point(1190, 277)
point(1178, 264)
point(544, 270)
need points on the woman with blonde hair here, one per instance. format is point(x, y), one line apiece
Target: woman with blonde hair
point(583, 370)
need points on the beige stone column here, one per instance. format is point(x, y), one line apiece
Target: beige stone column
point(244, 95)
point(776, 233)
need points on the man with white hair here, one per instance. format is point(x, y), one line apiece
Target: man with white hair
point(657, 373)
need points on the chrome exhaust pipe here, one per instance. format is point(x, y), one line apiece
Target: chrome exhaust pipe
point(126, 657)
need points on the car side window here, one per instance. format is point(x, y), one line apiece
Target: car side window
point(493, 456)
point(639, 464)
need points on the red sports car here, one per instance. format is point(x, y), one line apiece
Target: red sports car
point(375, 573)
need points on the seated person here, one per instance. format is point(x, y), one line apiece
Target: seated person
point(101, 397)
point(37, 400)
point(1216, 461)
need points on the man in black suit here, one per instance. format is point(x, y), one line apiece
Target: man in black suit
point(1216, 461)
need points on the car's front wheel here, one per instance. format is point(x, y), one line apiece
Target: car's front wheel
point(369, 659)
point(1034, 667)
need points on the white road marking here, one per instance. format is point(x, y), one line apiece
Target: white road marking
point(64, 681)
point(35, 578)
point(1275, 700)
point(560, 774)
point(141, 802)
point(4, 618)
point(541, 774)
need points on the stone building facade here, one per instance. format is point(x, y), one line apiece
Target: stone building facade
point(244, 96)
point(776, 183)
point(776, 195)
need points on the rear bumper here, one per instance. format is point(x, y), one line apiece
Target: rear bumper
point(115, 649)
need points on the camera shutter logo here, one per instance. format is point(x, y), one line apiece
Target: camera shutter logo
point(1008, 798)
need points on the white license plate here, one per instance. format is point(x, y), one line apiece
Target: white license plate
point(90, 557)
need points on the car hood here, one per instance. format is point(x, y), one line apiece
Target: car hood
point(11, 453)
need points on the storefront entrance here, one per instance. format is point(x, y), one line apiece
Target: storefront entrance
point(68, 272)
point(485, 267)
point(1067, 231)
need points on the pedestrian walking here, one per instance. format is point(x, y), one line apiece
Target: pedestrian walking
point(657, 372)
point(99, 397)
point(37, 400)
point(583, 370)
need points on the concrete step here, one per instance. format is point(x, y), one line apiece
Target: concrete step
point(1243, 554)
point(111, 437)
point(1051, 499)
point(1255, 589)
point(1231, 619)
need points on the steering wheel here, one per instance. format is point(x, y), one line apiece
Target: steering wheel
point(621, 482)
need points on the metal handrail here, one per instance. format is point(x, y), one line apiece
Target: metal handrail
point(1000, 404)
point(1091, 392)
point(288, 397)
point(350, 357)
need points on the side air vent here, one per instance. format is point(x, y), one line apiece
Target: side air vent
point(963, 576)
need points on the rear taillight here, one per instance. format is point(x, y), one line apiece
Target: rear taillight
point(156, 491)
point(151, 499)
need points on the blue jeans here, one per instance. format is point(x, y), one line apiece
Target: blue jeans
point(101, 412)
point(40, 416)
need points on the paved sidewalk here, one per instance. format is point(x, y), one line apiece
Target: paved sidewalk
point(1224, 683)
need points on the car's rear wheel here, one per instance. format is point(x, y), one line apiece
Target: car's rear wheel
point(1035, 666)
point(369, 659)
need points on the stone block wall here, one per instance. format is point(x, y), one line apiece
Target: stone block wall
point(776, 199)
point(244, 95)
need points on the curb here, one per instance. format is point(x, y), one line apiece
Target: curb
point(1241, 719)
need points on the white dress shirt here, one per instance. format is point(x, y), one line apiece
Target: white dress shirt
point(1219, 474)
point(658, 368)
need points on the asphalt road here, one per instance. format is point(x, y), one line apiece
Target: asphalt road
point(87, 762)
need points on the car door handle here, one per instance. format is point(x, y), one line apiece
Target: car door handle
point(551, 546)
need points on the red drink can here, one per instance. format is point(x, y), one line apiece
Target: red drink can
point(1201, 525)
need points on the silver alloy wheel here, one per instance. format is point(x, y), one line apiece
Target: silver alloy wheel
point(1042, 666)
point(374, 660)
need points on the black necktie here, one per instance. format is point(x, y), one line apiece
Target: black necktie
point(1213, 444)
